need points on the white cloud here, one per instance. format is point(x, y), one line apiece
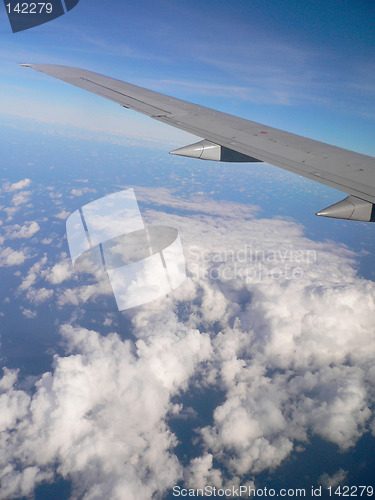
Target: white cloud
point(10, 257)
point(47, 241)
point(24, 183)
point(108, 320)
point(10, 211)
point(81, 191)
point(21, 198)
point(83, 294)
point(40, 273)
point(202, 473)
point(36, 271)
point(60, 272)
point(101, 416)
point(336, 479)
point(64, 214)
point(268, 295)
point(55, 196)
point(26, 231)
point(292, 351)
point(38, 296)
point(29, 314)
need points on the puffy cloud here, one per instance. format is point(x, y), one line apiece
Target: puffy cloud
point(29, 314)
point(100, 415)
point(26, 231)
point(21, 198)
point(60, 272)
point(202, 473)
point(10, 257)
point(36, 270)
point(13, 403)
point(55, 196)
point(334, 480)
point(340, 410)
point(39, 273)
point(83, 294)
point(64, 214)
point(47, 241)
point(33, 284)
point(10, 211)
point(290, 365)
point(24, 183)
point(38, 296)
point(281, 324)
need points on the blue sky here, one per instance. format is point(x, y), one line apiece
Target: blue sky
point(304, 67)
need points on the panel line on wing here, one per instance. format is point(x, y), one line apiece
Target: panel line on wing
point(125, 95)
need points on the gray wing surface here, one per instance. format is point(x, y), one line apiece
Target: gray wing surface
point(345, 170)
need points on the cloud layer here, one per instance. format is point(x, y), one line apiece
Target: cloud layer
point(281, 324)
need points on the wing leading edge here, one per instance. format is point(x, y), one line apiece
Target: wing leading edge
point(242, 140)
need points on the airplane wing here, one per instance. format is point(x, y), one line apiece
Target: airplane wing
point(230, 138)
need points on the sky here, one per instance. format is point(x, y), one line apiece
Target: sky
point(257, 371)
point(302, 67)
